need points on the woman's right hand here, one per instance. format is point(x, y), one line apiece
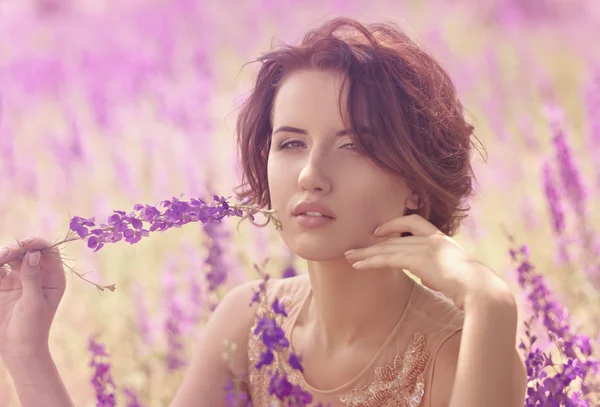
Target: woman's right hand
point(29, 296)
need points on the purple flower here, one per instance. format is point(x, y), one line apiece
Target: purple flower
point(130, 227)
point(289, 272)
point(217, 273)
point(296, 361)
point(79, 224)
point(279, 308)
point(279, 386)
point(256, 298)
point(299, 397)
point(554, 319)
point(275, 344)
point(234, 397)
point(102, 380)
point(554, 204)
point(265, 359)
point(272, 335)
point(569, 173)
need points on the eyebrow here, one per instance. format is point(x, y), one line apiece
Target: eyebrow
point(340, 133)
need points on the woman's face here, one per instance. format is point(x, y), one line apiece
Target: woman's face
point(308, 161)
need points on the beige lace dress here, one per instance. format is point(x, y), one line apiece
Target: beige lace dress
point(399, 374)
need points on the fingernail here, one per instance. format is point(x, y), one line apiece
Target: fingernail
point(3, 252)
point(28, 240)
point(349, 252)
point(34, 259)
point(376, 230)
point(358, 264)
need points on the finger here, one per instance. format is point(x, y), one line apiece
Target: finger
point(9, 279)
point(388, 260)
point(405, 240)
point(15, 252)
point(9, 254)
point(31, 279)
point(384, 248)
point(34, 243)
point(414, 224)
point(4, 278)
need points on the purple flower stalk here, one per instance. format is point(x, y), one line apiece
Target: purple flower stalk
point(130, 227)
point(217, 274)
point(569, 173)
point(273, 337)
point(554, 204)
point(557, 212)
point(102, 379)
point(575, 348)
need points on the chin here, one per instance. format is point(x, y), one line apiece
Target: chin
point(314, 250)
point(314, 256)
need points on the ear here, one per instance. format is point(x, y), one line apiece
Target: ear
point(412, 201)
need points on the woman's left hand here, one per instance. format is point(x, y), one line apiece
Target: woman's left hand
point(429, 254)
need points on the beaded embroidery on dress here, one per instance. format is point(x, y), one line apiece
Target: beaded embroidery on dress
point(400, 385)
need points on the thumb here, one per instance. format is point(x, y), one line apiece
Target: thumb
point(30, 277)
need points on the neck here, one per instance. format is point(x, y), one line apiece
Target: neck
point(355, 307)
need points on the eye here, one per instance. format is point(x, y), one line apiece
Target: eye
point(286, 145)
point(297, 143)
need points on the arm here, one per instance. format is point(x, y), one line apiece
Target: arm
point(481, 366)
point(37, 381)
point(208, 373)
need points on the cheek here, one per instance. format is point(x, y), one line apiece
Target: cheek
point(281, 181)
point(376, 202)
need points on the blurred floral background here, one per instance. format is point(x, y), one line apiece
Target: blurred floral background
point(105, 104)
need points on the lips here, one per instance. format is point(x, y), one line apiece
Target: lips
point(315, 216)
point(313, 206)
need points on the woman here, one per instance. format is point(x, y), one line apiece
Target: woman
point(358, 140)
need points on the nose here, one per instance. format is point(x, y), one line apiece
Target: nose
point(313, 175)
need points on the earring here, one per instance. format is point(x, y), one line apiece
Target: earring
point(420, 204)
point(411, 198)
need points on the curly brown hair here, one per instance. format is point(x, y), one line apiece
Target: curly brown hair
point(418, 128)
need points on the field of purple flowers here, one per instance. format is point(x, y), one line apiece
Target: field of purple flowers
point(105, 105)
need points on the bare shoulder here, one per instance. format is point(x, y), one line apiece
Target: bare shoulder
point(232, 319)
point(291, 286)
point(209, 372)
point(235, 315)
